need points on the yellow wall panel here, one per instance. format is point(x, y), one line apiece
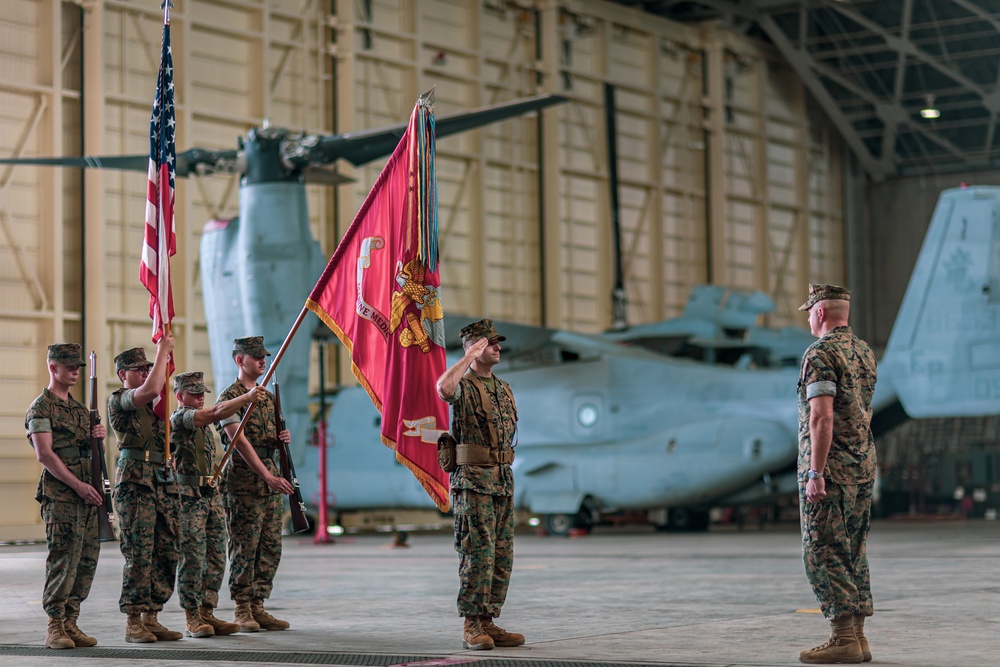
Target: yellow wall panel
point(230, 59)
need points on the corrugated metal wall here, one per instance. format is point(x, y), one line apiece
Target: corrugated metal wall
point(726, 174)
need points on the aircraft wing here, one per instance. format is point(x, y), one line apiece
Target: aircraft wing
point(529, 345)
point(520, 337)
point(359, 148)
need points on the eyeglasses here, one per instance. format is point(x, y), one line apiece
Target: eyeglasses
point(142, 371)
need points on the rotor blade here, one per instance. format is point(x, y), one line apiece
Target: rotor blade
point(201, 160)
point(122, 162)
point(359, 148)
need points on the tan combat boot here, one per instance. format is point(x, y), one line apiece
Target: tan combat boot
point(162, 633)
point(222, 628)
point(264, 619)
point(56, 637)
point(842, 647)
point(76, 634)
point(500, 637)
point(244, 618)
point(859, 632)
point(195, 626)
point(136, 632)
point(473, 636)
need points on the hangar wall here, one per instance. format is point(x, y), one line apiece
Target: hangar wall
point(80, 79)
point(727, 173)
point(694, 107)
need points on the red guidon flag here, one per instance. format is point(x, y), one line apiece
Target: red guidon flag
point(159, 241)
point(380, 294)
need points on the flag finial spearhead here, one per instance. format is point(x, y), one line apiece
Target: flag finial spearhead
point(426, 100)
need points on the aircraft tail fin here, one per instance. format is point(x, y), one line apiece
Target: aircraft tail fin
point(943, 355)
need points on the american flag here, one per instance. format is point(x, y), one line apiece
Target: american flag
point(159, 241)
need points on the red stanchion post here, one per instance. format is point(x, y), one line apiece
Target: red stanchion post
point(322, 536)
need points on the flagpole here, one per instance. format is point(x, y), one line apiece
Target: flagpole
point(246, 416)
point(166, 403)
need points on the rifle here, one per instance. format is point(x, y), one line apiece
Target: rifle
point(300, 522)
point(98, 468)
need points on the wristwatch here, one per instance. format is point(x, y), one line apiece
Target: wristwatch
point(812, 474)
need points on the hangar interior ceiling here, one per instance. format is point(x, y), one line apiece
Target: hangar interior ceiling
point(875, 65)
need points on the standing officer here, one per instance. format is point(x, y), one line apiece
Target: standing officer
point(836, 473)
point(484, 421)
point(58, 428)
point(203, 518)
point(254, 506)
point(146, 495)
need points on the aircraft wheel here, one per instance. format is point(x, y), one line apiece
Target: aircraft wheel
point(559, 525)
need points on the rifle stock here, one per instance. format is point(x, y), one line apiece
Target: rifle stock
point(98, 468)
point(300, 522)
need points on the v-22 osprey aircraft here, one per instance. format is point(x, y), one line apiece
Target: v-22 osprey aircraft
point(682, 415)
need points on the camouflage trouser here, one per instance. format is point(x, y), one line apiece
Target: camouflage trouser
point(254, 544)
point(484, 539)
point(203, 550)
point(71, 535)
point(834, 532)
point(150, 533)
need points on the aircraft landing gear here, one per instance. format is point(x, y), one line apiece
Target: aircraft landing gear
point(684, 520)
point(559, 525)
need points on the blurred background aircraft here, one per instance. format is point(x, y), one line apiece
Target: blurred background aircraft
point(676, 417)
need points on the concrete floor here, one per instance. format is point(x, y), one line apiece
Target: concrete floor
point(620, 595)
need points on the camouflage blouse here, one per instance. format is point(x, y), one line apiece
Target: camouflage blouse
point(183, 439)
point(470, 423)
point(840, 365)
point(69, 423)
point(124, 419)
point(260, 431)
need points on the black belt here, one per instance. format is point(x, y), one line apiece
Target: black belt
point(195, 480)
point(266, 452)
point(72, 453)
point(142, 455)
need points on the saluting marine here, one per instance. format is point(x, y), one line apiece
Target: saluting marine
point(484, 423)
point(146, 495)
point(203, 517)
point(58, 428)
point(253, 488)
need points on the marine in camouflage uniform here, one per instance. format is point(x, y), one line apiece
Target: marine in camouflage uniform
point(58, 428)
point(146, 496)
point(484, 423)
point(253, 488)
point(203, 517)
point(836, 469)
